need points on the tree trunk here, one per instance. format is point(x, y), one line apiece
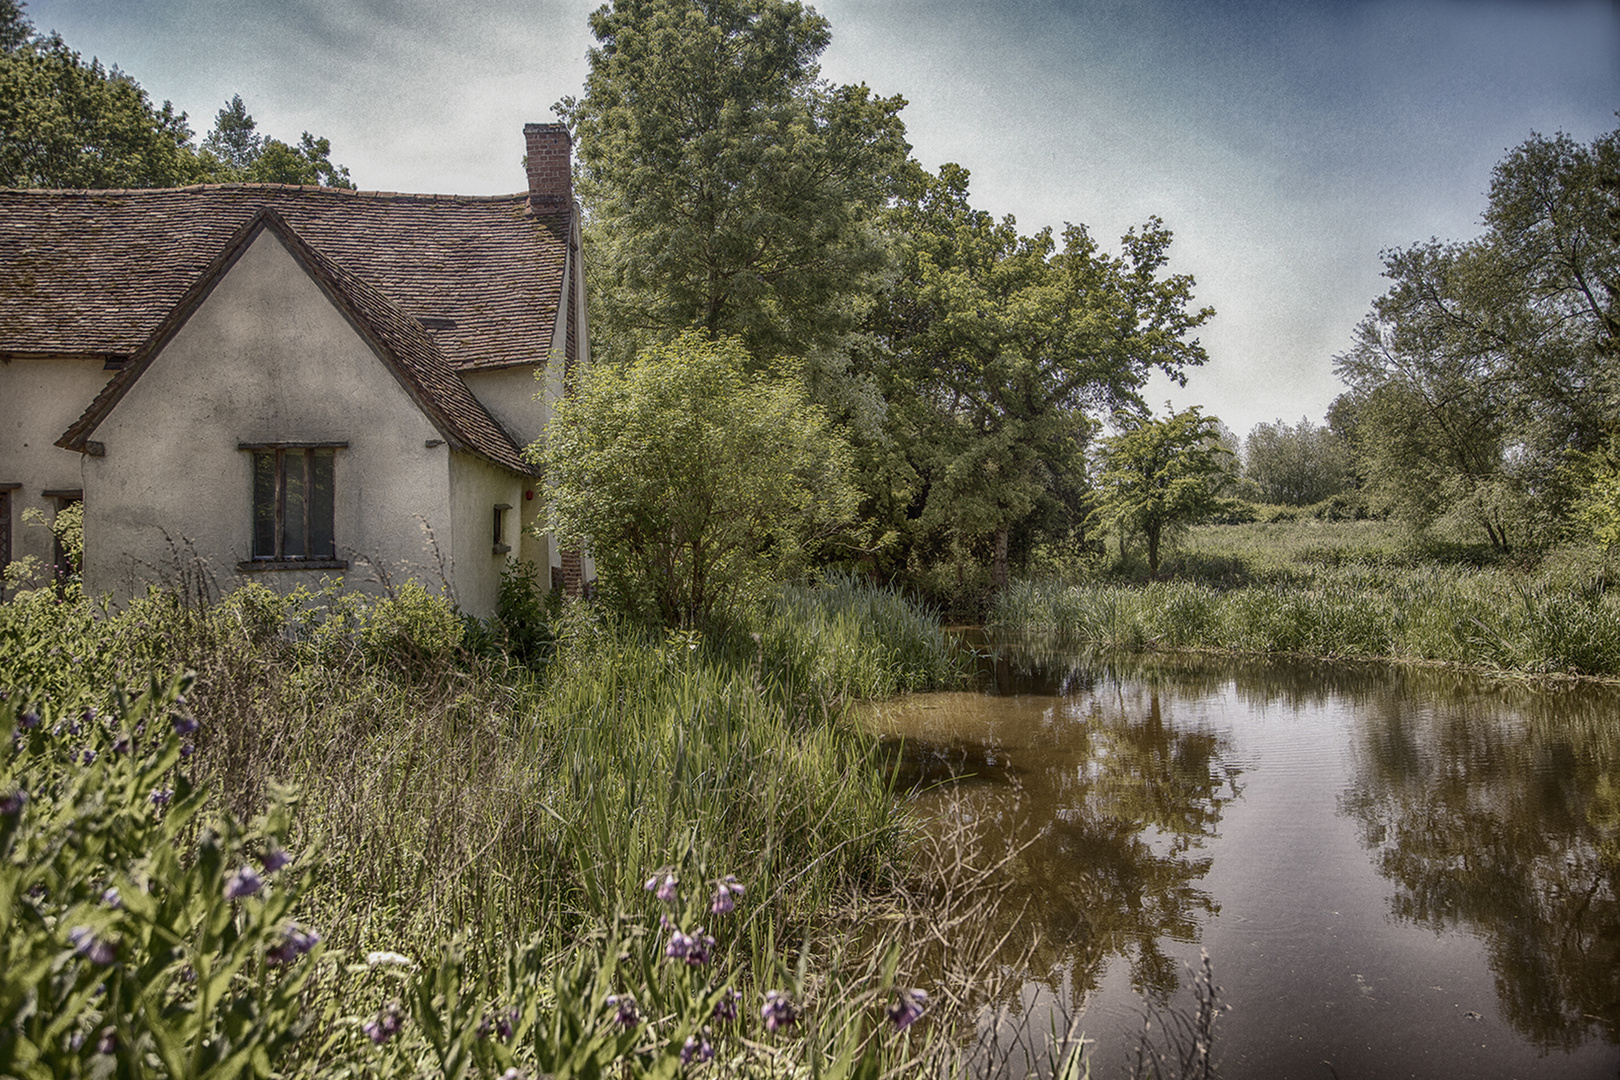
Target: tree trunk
point(1153, 552)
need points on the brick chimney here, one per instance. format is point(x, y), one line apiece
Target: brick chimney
point(551, 180)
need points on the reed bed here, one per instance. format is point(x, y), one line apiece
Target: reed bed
point(1558, 618)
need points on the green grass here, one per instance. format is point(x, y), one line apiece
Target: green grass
point(1344, 589)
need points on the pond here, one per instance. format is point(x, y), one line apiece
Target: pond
point(1395, 871)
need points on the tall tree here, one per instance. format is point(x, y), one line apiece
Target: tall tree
point(727, 187)
point(999, 347)
point(65, 123)
point(1487, 363)
point(15, 28)
point(1158, 476)
point(235, 152)
point(234, 140)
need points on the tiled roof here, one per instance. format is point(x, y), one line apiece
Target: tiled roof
point(96, 272)
point(413, 354)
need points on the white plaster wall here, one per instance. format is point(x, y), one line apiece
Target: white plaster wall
point(516, 397)
point(39, 400)
point(265, 358)
point(476, 487)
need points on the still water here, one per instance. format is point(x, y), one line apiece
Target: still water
point(1396, 872)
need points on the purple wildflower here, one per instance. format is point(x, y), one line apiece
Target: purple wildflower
point(98, 951)
point(778, 1011)
point(663, 885)
point(275, 859)
point(245, 882)
point(385, 1025)
point(907, 1008)
point(697, 1048)
point(108, 1042)
point(112, 898)
point(187, 749)
point(726, 1007)
point(88, 757)
point(12, 804)
point(185, 725)
point(121, 745)
point(161, 796)
point(29, 720)
point(726, 892)
point(624, 1009)
point(295, 942)
point(695, 948)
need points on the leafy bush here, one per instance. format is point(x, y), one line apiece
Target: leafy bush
point(136, 939)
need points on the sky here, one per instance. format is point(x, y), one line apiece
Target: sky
point(1286, 144)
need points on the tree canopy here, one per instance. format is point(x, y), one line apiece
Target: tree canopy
point(997, 348)
point(1490, 362)
point(727, 187)
point(694, 482)
point(70, 123)
point(1299, 464)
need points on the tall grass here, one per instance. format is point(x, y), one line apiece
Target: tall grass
point(1558, 617)
point(458, 796)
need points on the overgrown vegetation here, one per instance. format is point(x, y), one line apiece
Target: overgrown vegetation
point(491, 822)
point(1347, 589)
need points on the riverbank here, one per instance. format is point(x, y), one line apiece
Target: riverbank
point(1348, 592)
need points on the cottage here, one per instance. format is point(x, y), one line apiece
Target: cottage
point(290, 383)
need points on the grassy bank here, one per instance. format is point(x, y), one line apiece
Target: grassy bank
point(1344, 590)
point(484, 818)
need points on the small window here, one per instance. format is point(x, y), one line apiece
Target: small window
point(293, 504)
point(64, 562)
point(501, 546)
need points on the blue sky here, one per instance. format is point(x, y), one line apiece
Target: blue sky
point(1285, 143)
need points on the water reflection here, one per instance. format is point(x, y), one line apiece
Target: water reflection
point(1106, 795)
point(1338, 834)
point(1500, 816)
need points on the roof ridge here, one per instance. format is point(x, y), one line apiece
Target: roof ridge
point(347, 193)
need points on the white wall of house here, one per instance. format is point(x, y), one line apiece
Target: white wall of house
point(476, 488)
point(518, 397)
point(39, 399)
point(266, 358)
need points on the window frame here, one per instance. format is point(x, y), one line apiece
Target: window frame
point(278, 559)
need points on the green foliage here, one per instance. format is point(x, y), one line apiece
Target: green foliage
point(1488, 362)
point(135, 939)
point(66, 123)
point(1361, 589)
point(1297, 465)
point(234, 153)
point(1158, 476)
point(993, 349)
point(728, 188)
point(694, 484)
point(456, 795)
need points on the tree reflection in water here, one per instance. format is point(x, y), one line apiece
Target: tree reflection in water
point(1491, 809)
point(1106, 800)
point(1499, 814)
